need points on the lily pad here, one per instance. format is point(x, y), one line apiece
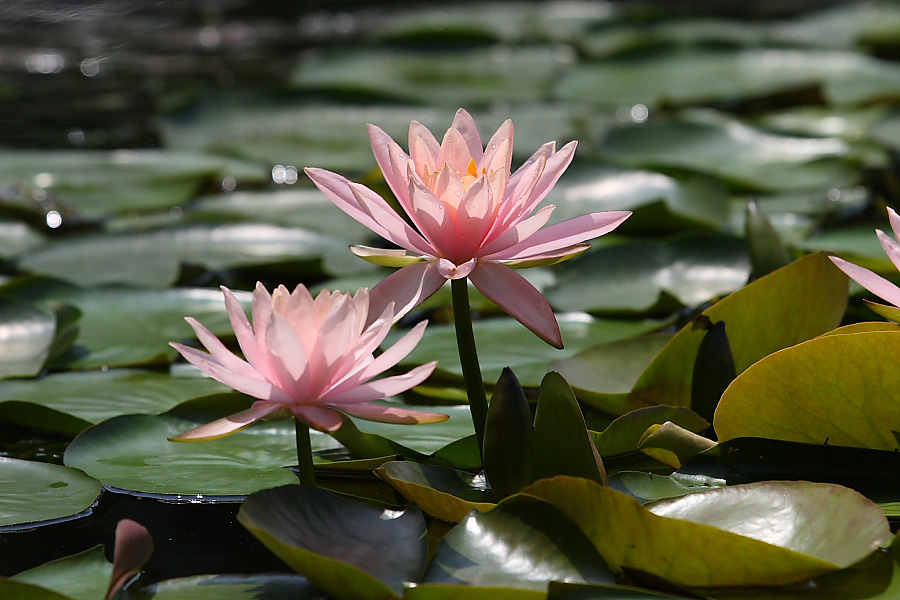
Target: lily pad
point(701, 75)
point(266, 586)
point(84, 576)
point(504, 342)
point(155, 258)
point(123, 326)
point(349, 549)
point(638, 277)
point(95, 183)
point(522, 543)
point(482, 75)
point(810, 393)
point(94, 396)
point(441, 492)
point(786, 307)
point(716, 525)
point(133, 452)
point(736, 152)
point(27, 330)
point(660, 203)
point(36, 491)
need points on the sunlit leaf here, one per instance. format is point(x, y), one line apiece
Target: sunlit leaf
point(83, 576)
point(441, 492)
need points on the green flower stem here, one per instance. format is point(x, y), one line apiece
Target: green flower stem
point(304, 453)
point(468, 357)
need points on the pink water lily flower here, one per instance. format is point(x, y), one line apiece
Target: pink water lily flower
point(311, 357)
point(873, 282)
point(469, 218)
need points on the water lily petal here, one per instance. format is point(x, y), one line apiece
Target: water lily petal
point(381, 388)
point(218, 351)
point(432, 218)
point(391, 159)
point(430, 143)
point(876, 284)
point(465, 125)
point(546, 150)
point(895, 221)
point(392, 414)
point(227, 425)
point(498, 153)
point(891, 247)
point(454, 151)
point(261, 309)
point(556, 165)
point(515, 295)
point(451, 271)
point(243, 331)
point(546, 259)
point(320, 418)
point(563, 234)
point(519, 232)
point(288, 357)
point(252, 386)
point(406, 288)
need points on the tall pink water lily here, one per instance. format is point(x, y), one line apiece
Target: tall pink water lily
point(309, 357)
point(873, 282)
point(470, 217)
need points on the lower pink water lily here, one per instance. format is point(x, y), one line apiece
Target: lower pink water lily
point(873, 282)
point(470, 217)
point(312, 358)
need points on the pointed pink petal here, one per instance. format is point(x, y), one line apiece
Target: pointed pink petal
point(473, 218)
point(891, 247)
point(252, 386)
point(417, 130)
point(432, 218)
point(895, 221)
point(288, 357)
point(227, 425)
point(320, 418)
point(243, 331)
point(406, 288)
point(519, 232)
point(381, 388)
point(876, 284)
point(392, 414)
point(513, 209)
point(556, 164)
point(347, 198)
point(498, 152)
point(391, 159)
point(512, 292)
point(563, 234)
point(261, 309)
point(546, 259)
point(218, 351)
point(465, 125)
point(455, 151)
point(547, 149)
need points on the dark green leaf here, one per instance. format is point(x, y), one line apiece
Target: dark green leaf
point(508, 444)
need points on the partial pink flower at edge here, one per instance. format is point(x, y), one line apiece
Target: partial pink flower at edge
point(312, 357)
point(470, 218)
point(873, 282)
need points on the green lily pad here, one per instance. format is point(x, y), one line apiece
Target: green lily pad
point(585, 591)
point(603, 376)
point(18, 239)
point(873, 473)
point(786, 307)
point(434, 591)
point(647, 487)
point(736, 152)
point(660, 203)
point(504, 342)
point(447, 78)
point(93, 396)
point(834, 389)
point(154, 258)
point(349, 549)
point(624, 434)
point(442, 492)
point(522, 543)
point(123, 326)
point(36, 491)
point(133, 452)
point(266, 586)
point(638, 277)
point(27, 330)
point(26, 591)
point(821, 528)
point(95, 183)
point(856, 243)
point(703, 74)
point(84, 576)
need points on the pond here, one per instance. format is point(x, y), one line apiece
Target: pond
point(715, 379)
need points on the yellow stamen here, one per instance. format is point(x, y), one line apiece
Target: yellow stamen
point(472, 170)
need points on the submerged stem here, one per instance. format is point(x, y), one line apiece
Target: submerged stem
point(304, 453)
point(468, 357)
